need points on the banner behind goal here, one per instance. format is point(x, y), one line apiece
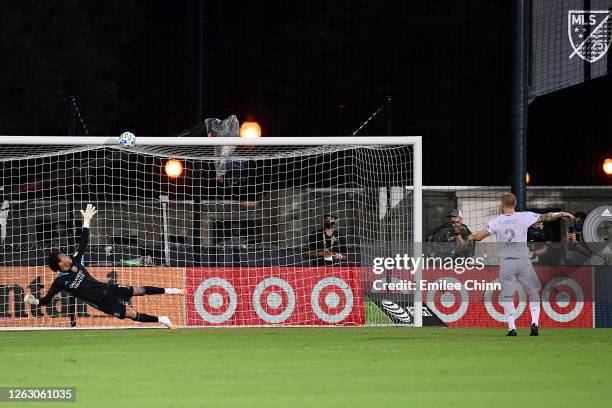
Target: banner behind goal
point(242, 228)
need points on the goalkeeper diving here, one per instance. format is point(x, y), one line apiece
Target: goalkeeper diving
point(106, 297)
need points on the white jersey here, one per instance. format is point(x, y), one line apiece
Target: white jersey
point(511, 233)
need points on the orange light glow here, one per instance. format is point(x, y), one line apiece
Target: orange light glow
point(607, 167)
point(250, 130)
point(174, 168)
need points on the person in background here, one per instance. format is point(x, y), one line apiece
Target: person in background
point(539, 238)
point(326, 246)
point(450, 238)
point(573, 247)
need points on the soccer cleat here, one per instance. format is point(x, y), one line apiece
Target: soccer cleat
point(511, 333)
point(534, 330)
point(166, 322)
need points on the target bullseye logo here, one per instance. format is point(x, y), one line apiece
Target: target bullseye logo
point(493, 308)
point(445, 303)
point(562, 299)
point(273, 300)
point(332, 300)
point(215, 300)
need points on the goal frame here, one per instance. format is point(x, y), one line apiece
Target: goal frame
point(417, 166)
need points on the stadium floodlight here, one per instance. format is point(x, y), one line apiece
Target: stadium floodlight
point(250, 130)
point(607, 167)
point(240, 246)
point(174, 168)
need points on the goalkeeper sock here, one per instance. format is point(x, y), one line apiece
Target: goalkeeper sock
point(534, 307)
point(145, 318)
point(509, 311)
point(152, 290)
point(172, 291)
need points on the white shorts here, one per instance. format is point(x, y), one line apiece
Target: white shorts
point(512, 270)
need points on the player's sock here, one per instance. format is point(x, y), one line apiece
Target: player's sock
point(174, 291)
point(145, 318)
point(152, 290)
point(534, 307)
point(509, 311)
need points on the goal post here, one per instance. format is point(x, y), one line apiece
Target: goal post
point(248, 243)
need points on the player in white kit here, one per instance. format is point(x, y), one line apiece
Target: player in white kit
point(510, 229)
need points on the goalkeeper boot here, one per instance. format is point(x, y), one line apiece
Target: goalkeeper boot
point(166, 322)
point(534, 330)
point(511, 333)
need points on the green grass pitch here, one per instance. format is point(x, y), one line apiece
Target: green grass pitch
point(314, 367)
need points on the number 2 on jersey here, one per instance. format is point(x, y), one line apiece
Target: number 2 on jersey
point(509, 235)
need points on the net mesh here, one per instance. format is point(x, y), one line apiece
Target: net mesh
point(249, 249)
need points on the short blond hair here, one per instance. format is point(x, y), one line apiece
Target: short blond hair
point(508, 200)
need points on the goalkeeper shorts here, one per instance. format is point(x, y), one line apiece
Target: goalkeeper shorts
point(116, 296)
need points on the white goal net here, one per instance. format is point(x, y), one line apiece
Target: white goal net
point(270, 234)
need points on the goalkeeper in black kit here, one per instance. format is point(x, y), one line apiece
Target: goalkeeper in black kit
point(106, 297)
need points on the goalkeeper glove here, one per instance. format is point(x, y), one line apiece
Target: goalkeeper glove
point(88, 214)
point(29, 298)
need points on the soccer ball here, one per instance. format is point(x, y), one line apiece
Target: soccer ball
point(127, 139)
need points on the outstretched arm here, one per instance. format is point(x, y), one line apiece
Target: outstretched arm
point(88, 214)
point(479, 236)
point(553, 216)
point(54, 290)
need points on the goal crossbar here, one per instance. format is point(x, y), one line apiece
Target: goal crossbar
point(212, 141)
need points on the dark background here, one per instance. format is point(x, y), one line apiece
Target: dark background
point(300, 68)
